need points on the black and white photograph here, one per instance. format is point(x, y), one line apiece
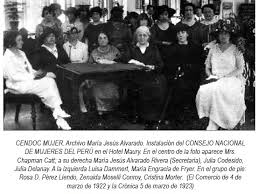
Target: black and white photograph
point(128, 65)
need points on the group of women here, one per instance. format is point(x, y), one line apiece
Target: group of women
point(162, 49)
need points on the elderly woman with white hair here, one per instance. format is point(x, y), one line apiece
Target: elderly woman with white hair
point(151, 84)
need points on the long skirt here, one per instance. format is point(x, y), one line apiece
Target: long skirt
point(222, 101)
point(152, 91)
point(45, 88)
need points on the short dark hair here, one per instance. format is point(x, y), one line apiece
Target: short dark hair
point(47, 8)
point(9, 38)
point(211, 6)
point(149, 6)
point(106, 33)
point(97, 10)
point(144, 16)
point(189, 5)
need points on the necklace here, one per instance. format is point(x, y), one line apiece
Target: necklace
point(104, 49)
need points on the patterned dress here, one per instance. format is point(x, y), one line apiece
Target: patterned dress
point(106, 94)
point(223, 101)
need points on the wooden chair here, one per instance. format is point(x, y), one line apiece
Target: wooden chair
point(19, 99)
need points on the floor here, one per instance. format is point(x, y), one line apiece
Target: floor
point(117, 120)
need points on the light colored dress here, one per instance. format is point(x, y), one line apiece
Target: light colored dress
point(19, 76)
point(223, 101)
point(77, 53)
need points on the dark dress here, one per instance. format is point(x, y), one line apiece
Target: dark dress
point(188, 58)
point(29, 47)
point(198, 33)
point(46, 61)
point(158, 36)
point(91, 34)
point(120, 36)
point(151, 84)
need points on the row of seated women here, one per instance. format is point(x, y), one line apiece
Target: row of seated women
point(158, 64)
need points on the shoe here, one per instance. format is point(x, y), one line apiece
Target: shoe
point(62, 124)
point(60, 113)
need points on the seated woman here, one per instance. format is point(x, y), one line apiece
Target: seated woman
point(186, 58)
point(49, 55)
point(223, 100)
point(21, 78)
point(105, 94)
point(151, 84)
point(76, 50)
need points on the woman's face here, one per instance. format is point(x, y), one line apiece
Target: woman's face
point(224, 37)
point(208, 13)
point(96, 17)
point(50, 39)
point(143, 22)
point(164, 16)
point(142, 38)
point(188, 12)
point(103, 40)
point(71, 16)
point(73, 36)
point(182, 36)
point(47, 15)
point(19, 42)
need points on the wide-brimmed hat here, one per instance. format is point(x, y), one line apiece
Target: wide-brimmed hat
point(72, 10)
point(46, 32)
point(161, 9)
point(73, 30)
point(226, 25)
point(97, 10)
point(117, 9)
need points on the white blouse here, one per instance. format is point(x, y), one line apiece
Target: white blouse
point(77, 53)
point(16, 68)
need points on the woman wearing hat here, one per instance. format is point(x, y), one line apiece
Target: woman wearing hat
point(163, 32)
point(93, 29)
point(151, 84)
point(119, 33)
point(21, 78)
point(76, 50)
point(50, 54)
point(197, 31)
point(186, 58)
point(49, 22)
point(222, 100)
point(73, 21)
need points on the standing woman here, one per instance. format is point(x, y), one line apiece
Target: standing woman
point(21, 78)
point(210, 21)
point(222, 101)
point(49, 22)
point(93, 29)
point(144, 20)
point(73, 21)
point(151, 84)
point(76, 50)
point(197, 31)
point(119, 33)
point(163, 32)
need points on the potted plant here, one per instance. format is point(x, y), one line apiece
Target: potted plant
point(12, 12)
